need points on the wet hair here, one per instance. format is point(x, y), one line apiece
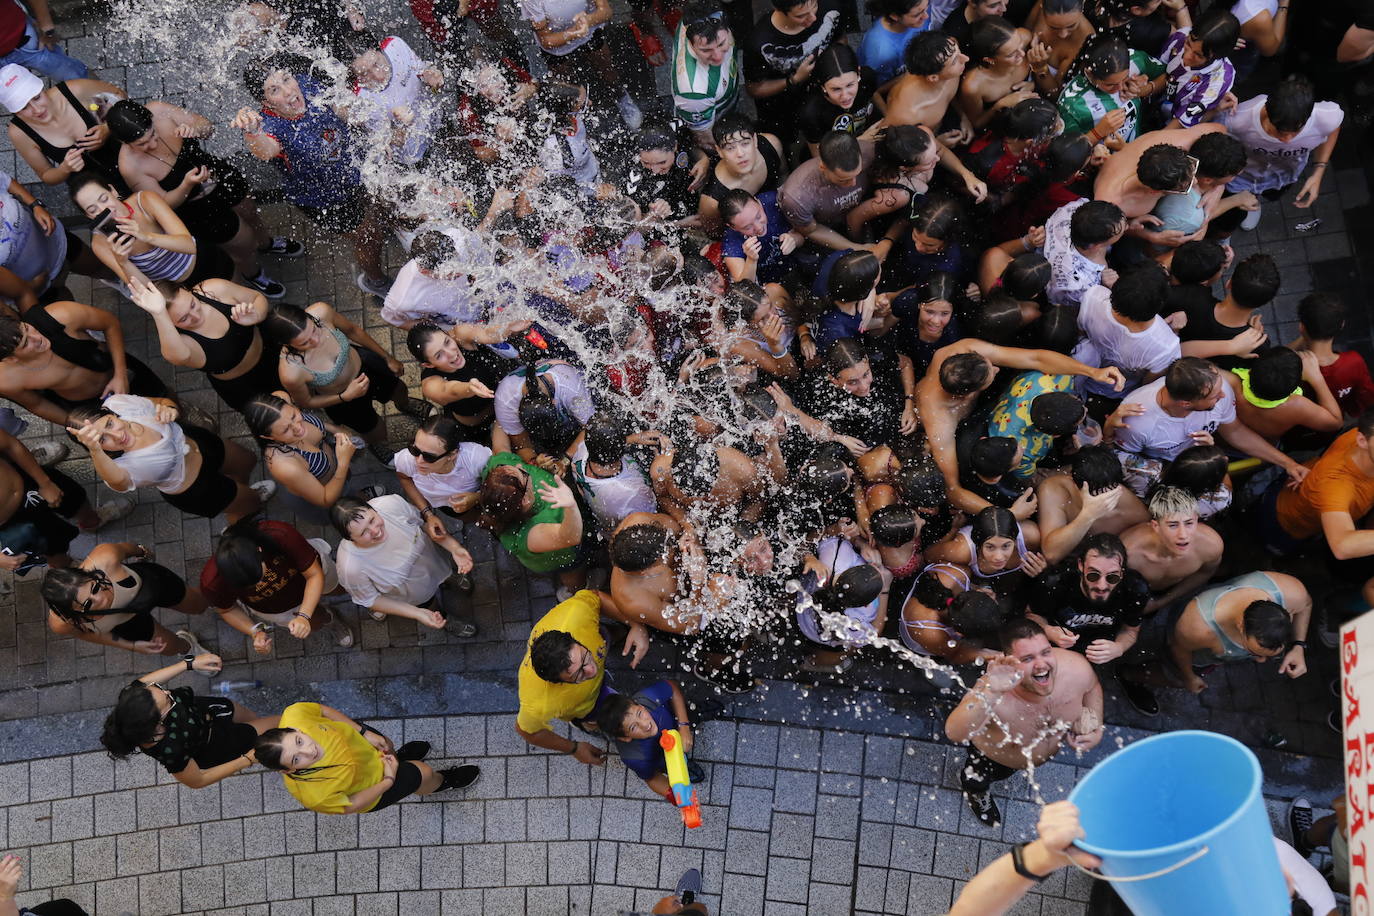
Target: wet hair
point(132, 723)
point(256, 72)
point(11, 333)
point(501, 499)
point(447, 430)
point(902, 145)
point(784, 6)
point(1105, 58)
point(636, 548)
point(992, 456)
point(1095, 222)
point(855, 587)
point(1170, 502)
point(1275, 373)
point(935, 216)
point(1322, 315)
point(845, 353)
point(1027, 275)
point(696, 271)
point(1057, 413)
point(964, 373)
point(432, 248)
point(286, 322)
point(350, 45)
point(1140, 293)
point(128, 120)
point(1057, 329)
point(975, 615)
point(825, 475)
point(732, 123)
point(939, 286)
point(1098, 467)
point(1267, 623)
point(1105, 545)
point(605, 438)
point(927, 52)
point(836, 60)
point(922, 486)
point(696, 466)
point(840, 151)
point(1218, 30)
point(853, 275)
point(987, 37)
point(732, 204)
point(999, 317)
point(241, 550)
point(419, 336)
point(1164, 167)
point(551, 428)
point(261, 412)
point(551, 653)
point(1189, 378)
point(1199, 469)
point(1015, 629)
point(656, 137)
point(559, 99)
point(59, 588)
point(1197, 261)
point(1066, 156)
point(993, 522)
point(1055, 7)
point(85, 178)
point(704, 20)
point(743, 301)
point(1255, 281)
point(1290, 103)
point(1028, 119)
point(345, 511)
point(611, 714)
point(1218, 155)
point(893, 526)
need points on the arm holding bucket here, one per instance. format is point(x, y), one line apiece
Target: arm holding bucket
point(994, 889)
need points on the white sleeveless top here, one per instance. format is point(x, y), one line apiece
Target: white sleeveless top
point(162, 464)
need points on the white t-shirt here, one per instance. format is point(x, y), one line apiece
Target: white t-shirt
point(559, 16)
point(1135, 353)
point(1071, 272)
point(1307, 881)
point(1269, 163)
point(1155, 434)
point(1245, 10)
point(162, 464)
point(406, 565)
point(466, 476)
point(416, 297)
point(569, 393)
point(571, 154)
point(405, 90)
point(837, 555)
point(612, 499)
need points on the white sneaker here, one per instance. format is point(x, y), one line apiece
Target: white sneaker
point(562, 593)
point(629, 111)
point(196, 647)
point(265, 489)
point(343, 633)
point(115, 507)
point(1252, 218)
point(49, 453)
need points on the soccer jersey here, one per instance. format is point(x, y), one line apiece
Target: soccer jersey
point(701, 92)
point(316, 161)
point(1082, 105)
point(1192, 93)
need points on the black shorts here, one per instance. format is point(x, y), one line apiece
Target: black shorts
point(211, 264)
point(138, 628)
point(228, 739)
point(75, 249)
point(382, 384)
point(212, 491)
point(342, 217)
point(263, 378)
point(407, 780)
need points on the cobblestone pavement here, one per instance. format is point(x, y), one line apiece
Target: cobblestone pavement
point(825, 800)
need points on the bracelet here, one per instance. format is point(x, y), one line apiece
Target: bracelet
point(576, 745)
point(1297, 644)
point(31, 205)
point(1320, 165)
point(301, 614)
point(426, 510)
point(1025, 242)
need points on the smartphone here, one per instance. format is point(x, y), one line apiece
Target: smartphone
point(537, 339)
point(105, 224)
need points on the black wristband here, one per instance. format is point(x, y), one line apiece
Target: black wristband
point(1295, 643)
point(1018, 862)
point(189, 659)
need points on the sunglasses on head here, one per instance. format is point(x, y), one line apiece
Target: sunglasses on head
point(429, 457)
point(1094, 575)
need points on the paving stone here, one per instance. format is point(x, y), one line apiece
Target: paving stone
point(484, 866)
point(202, 888)
point(786, 881)
point(745, 893)
point(621, 819)
point(747, 852)
point(751, 809)
point(757, 744)
point(546, 901)
point(179, 847)
point(505, 820)
point(569, 863)
point(98, 858)
point(159, 894)
point(380, 828)
point(49, 866)
point(356, 871)
point(460, 903)
point(422, 824)
point(398, 868)
point(795, 792)
point(264, 836)
point(73, 818)
point(441, 867)
point(636, 864)
point(842, 752)
point(929, 895)
point(245, 882)
point(837, 817)
point(117, 896)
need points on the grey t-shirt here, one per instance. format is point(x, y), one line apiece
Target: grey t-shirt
point(806, 196)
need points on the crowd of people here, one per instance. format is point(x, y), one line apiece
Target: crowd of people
point(928, 337)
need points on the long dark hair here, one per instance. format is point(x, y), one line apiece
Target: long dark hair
point(286, 322)
point(242, 550)
point(59, 589)
point(994, 522)
point(133, 721)
point(261, 413)
point(268, 750)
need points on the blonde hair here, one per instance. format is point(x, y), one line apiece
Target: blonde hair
point(1170, 502)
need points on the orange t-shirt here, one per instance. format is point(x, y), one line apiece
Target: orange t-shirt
point(1335, 485)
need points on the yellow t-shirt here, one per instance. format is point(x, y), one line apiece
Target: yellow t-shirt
point(541, 701)
point(349, 765)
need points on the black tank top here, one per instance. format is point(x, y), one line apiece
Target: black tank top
point(86, 353)
point(772, 179)
point(483, 366)
point(223, 353)
point(104, 160)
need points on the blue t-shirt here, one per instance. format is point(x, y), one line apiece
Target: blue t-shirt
point(883, 51)
point(643, 755)
point(773, 264)
point(907, 308)
point(316, 159)
point(834, 325)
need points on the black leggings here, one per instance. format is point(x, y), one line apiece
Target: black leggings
point(359, 414)
point(979, 772)
point(407, 780)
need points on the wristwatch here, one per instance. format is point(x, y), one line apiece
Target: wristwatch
point(1295, 643)
point(1018, 862)
point(189, 659)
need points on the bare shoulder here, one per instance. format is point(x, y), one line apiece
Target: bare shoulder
point(1209, 542)
point(1074, 668)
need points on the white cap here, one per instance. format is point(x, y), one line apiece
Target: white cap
point(17, 87)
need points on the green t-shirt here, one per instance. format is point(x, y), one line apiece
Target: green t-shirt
point(1082, 104)
point(516, 540)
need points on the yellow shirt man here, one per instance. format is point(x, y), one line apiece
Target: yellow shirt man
point(349, 765)
point(542, 701)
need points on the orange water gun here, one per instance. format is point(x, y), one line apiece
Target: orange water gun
point(684, 796)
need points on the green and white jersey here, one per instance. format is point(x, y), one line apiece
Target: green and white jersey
point(702, 93)
point(1082, 104)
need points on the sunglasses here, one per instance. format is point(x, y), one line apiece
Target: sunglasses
point(429, 457)
point(99, 583)
point(1112, 578)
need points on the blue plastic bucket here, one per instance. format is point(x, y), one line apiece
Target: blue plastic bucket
point(1185, 807)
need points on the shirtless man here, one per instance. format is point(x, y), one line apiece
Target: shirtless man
point(1174, 551)
point(719, 476)
point(1090, 499)
point(649, 552)
point(1021, 711)
point(1136, 190)
point(50, 362)
point(958, 374)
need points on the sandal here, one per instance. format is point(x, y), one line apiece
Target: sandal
point(420, 410)
point(463, 629)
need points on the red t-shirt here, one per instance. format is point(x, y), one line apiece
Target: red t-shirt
point(13, 21)
point(282, 586)
point(1348, 378)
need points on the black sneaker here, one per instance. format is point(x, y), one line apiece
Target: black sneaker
point(695, 773)
point(283, 247)
point(984, 808)
point(724, 679)
point(413, 750)
point(267, 286)
point(1299, 822)
point(459, 777)
point(1139, 696)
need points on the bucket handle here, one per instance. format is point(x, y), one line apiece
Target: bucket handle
point(1154, 874)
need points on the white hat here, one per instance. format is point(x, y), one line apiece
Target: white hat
point(17, 87)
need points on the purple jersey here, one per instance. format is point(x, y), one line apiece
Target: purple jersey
point(1192, 93)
